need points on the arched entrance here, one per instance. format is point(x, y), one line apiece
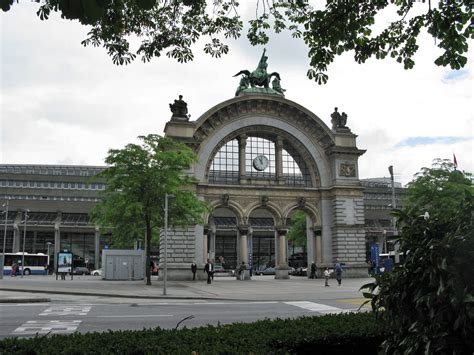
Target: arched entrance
point(261, 157)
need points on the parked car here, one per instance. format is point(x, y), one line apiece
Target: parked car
point(97, 272)
point(220, 271)
point(80, 270)
point(266, 271)
point(301, 271)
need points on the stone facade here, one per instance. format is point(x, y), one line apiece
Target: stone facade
point(250, 205)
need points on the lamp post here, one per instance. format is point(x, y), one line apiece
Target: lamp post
point(24, 239)
point(47, 245)
point(394, 205)
point(165, 268)
point(6, 205)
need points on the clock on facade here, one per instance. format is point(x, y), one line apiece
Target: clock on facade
point(260, 162)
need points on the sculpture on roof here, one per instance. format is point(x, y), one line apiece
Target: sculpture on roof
point(179, 109)
point(338, 120)
point(251, 81)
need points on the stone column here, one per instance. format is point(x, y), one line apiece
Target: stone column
point(279, 158)
point(319, 254)
point(33, 247)
point(242, 145)
point(282, 266)
point(57, 244)
point(97, 248)
point(243, 244)
point(212, 243)
point(204, 244)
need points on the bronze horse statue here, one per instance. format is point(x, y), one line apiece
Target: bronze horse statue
point(259, 77)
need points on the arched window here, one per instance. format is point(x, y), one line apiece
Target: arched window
point(262, 161)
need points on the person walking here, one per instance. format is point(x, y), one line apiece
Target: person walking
point(326, 277)
point(193, 270)
point(313, 271)
point(338, 269)
point(209, 269)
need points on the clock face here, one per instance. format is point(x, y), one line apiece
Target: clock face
point(260, 162)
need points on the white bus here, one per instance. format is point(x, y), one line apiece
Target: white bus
point(35, 264)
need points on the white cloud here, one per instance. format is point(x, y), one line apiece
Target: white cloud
point(65, 103)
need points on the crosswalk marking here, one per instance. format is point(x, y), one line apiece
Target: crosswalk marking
point(66, 311)
point(44, 327)
point(316, 307)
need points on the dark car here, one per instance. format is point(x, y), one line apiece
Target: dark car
point(81, 270)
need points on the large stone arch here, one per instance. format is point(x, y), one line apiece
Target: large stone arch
point(332, 198)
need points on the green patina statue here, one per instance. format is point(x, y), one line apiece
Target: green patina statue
point(259, 77)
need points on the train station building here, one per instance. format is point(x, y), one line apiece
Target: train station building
point(261, 158)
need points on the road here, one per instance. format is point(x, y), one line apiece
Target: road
point(94, 314)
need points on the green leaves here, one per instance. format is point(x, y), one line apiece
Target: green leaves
point(173, 27)
point(138, 177)
point(423, 300)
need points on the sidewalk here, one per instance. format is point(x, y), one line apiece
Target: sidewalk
point(260, 288)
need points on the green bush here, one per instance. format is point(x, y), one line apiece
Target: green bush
point(428, 301)
point(349, 333)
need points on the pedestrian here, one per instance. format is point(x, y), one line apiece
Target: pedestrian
point(338, 268)
point(313, 270)
point(241, 271)
point(209, 269)
point(194, 269)
point(14, 269)
point(326, 277)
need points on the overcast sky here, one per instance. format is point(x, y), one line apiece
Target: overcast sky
point(62, 103)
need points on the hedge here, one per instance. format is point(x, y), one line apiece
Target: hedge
point(348, 333)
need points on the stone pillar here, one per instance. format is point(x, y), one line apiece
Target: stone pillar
point(212, 243)
point(243, 244)
point(319, 254)
point(242, 145)
point(57, 244)
point(97, 248)
point(279, 158)
point(33, 247)
point(282, 266)
point(205, 249)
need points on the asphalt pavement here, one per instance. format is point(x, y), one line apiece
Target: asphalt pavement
point(259, 288)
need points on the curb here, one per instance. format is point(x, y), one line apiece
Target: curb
point(25, 300)
point(96, 294)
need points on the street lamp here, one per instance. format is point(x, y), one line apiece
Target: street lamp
point(24, 239)
point(394, 205)
point(6, 205)
point(165, 268)
point(47, 245)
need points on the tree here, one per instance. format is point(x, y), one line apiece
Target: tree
point(173, 26)
point(427, 302)
point(297, 233)
point(138, 177)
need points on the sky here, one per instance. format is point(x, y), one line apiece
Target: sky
point(62, 103)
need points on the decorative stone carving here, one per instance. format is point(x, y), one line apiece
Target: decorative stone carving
point(301, 202)
point(264, 200)
point(225, 199)
point(347, 170)
point(179, 109)
point(338, 120)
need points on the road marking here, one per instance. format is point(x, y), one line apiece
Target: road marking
point(316, 307)
point(138, 316)
point(66, 311)
point(43, 327)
